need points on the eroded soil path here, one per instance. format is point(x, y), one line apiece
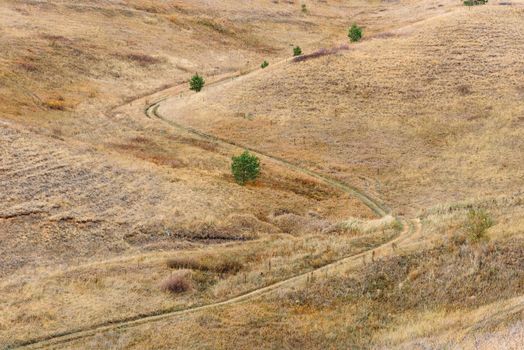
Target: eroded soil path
point(411, 229)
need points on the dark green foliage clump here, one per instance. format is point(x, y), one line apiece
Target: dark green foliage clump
point(264, 64)
point(196, 83)
point(297, 51)
point(475, 2)
point(355, 33)
point(245, 167)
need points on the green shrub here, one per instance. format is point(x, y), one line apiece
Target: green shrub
point(475, 2)
point(196, 83)
point(304, 8)
point(264, 64)
point(355, 33)
point(297, 51)
point(477, 223)
point(245, 167)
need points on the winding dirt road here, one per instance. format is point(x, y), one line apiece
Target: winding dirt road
point(410, 230)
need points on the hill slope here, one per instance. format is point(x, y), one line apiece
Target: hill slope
point(426, 110)
point(103, 206)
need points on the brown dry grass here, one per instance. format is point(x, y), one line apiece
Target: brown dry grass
point(178, 283)
point(447, 294)
point(94, 200)
point(420, 118)
point(55, 104)
point(218, 264)
point(114, 289)
point(82, 187)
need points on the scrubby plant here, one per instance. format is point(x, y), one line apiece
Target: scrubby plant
point(196, 83)
point(264, 64)
point(355, 33)
point(297, 51)
point(477, 223)
point(177, 283)
point(304, 8)
point(245, 167)
point(475, 2)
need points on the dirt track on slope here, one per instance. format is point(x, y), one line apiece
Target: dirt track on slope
point(410, 230)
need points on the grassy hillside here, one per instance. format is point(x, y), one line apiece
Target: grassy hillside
point(436, 290)
point(426, 114)
point(112, 212)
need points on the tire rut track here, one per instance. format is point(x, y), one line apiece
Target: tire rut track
point(409, 228)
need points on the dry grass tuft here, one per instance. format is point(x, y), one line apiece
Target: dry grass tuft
point(209, 263)
point(56, 38)
point(177, 283)
point(28, 66)
point(143, 59)
point(57, 104)
point(464, 89)
point(173, 19)
point(220, 26)
point(365, 226)
point(298, 224)
point(321, 52)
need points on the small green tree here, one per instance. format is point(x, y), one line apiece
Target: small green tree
point(477, 223)
point(304, 8)
point(245, 167)
point(196, 83)
point(355, 33)
point(264, 64)
point(297, 51)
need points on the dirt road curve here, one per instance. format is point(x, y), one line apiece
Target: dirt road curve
point(410, 230)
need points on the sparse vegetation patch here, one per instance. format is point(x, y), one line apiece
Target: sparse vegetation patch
point(57, 104)
point(320, 53)
point(478, 221)
point(388, 288)
point(304, 8)
point(216, 26)
point(143, 59)
point(475, 2)
point(210, 263)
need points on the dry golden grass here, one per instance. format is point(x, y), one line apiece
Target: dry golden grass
point(106, 53)
point(450, 295)
point(120, 288)
point(429, 115)
point(103, 209)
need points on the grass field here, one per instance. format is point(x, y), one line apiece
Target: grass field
point(389, 213)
